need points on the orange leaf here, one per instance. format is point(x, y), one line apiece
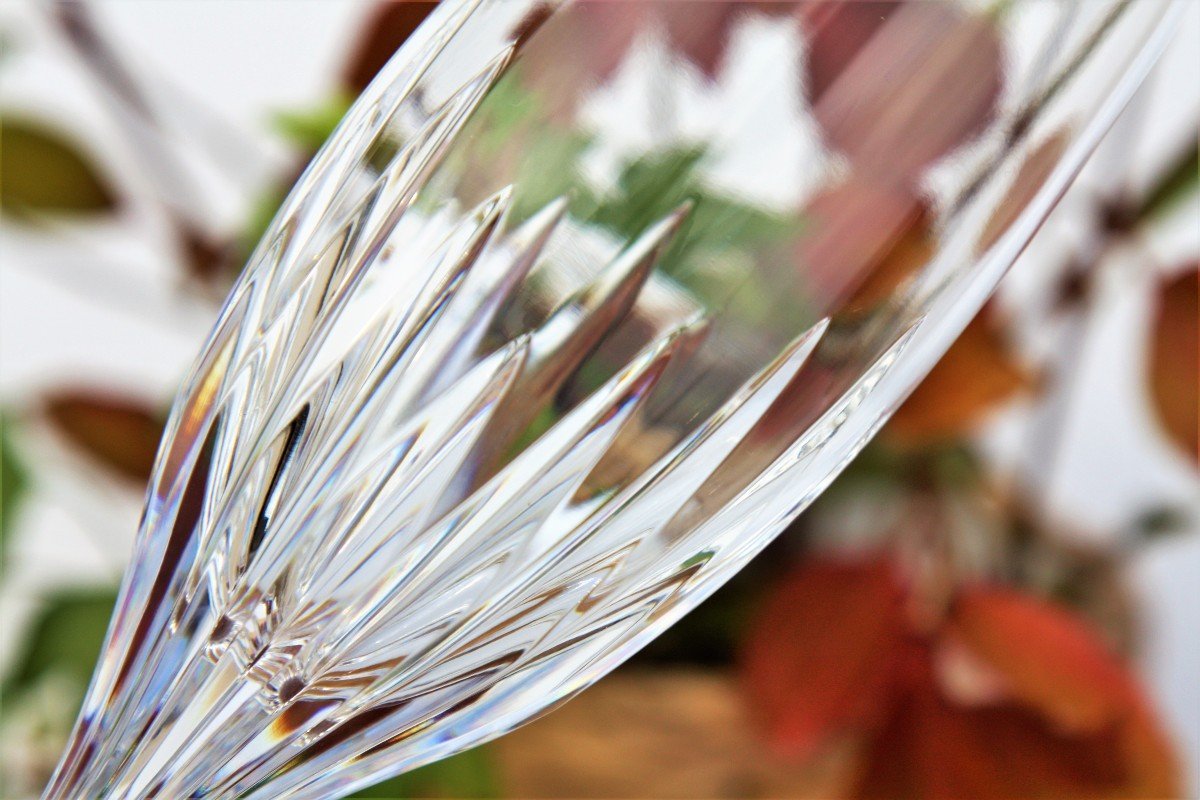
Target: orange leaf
point(1175, 360)
point(1153, 770)
point(818, 657)
point(976, 375)
point(120, 433)
point(1034, 171)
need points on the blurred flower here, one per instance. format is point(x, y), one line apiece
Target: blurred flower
point(1175, 359)
point(970, 690)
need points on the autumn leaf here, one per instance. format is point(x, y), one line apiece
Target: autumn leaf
point(836, 34)
point(977, 374)
point(1174, 360)
point(42, 172)
point(1030, 178)
point(815, 660)
point(700, 31)
point(1050, 658)
point(861, 241)
point(387, 27)
point(1031, 703)
point(898, 94)
point(120, 433)
point(583, 43)
point(1057, 666)
point(934, 748)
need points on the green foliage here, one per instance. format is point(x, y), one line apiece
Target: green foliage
point(549, 169)
point(655, 185)
point(263, 212)
point(308, 129)
point(466, 775)
point(722, 236)
point(41, 172)
point(511, 125)
point(1160, 522)
point(14, 482)
point(1177, 182)
point(65, 638)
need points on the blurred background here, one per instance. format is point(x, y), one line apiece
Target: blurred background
point(999, 598)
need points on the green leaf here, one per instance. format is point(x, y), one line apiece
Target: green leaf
point(721, 234)
point(655, 185)
point(548, 167)
point(550, 170)
point(1177, 182)
point(261, 215)
point(1160, 522)
point(41, 172)
point(65, 638)
point(308, 129)
point(14, 481)
point(466, 775)
point(650, 188)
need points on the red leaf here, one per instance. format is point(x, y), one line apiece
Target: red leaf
point(837, 32)
point(387, 27)
point(1056, 665)
point(1175, 360)
point(862, 241)
point(1051, 659)
point(582, 44)
point(700, 31)
point(578, 46)
point(118, 432)
point(817, 659)
point(931, 747)
point(907, 90)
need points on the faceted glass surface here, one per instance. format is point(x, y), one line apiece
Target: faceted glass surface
point(577, 309)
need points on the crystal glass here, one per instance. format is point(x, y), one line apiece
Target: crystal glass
point(580, 305)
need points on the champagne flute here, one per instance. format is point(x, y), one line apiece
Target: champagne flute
point(579, 306)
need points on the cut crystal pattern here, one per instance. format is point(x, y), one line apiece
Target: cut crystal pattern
point(361, 553)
